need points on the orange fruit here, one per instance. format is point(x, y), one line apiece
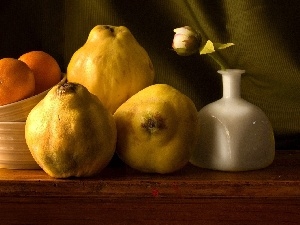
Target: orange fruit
point(45, 68)
point(16, 81)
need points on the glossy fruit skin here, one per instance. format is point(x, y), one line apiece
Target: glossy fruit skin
point(16, 81)
point(45, 68)
point(112, 65)
point(157, 129)
point(70, 133)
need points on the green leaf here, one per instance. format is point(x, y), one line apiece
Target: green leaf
point(222, 46)
point(207, 48)
point(211, 47)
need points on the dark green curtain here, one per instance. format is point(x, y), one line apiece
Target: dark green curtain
point(266, 36)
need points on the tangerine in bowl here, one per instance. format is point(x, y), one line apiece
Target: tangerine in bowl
point(45, 69)
point(17, 81)
point(24, 82)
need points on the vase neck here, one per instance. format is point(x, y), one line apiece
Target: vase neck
point(231, 79)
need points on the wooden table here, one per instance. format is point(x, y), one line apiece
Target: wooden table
point(120, 195)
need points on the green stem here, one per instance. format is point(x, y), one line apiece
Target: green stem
point(218, 60)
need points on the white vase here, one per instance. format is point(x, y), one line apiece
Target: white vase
point(234, 135)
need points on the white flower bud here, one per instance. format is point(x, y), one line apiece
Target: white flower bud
point(186, 41)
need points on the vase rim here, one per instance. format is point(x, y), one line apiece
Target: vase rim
point(234, 71)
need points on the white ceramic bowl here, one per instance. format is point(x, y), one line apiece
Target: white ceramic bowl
point(18, 111)
point(14, 152)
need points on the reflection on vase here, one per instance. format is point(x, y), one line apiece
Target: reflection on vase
point(234, 135)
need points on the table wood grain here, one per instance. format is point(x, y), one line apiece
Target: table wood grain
point(121, 195)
